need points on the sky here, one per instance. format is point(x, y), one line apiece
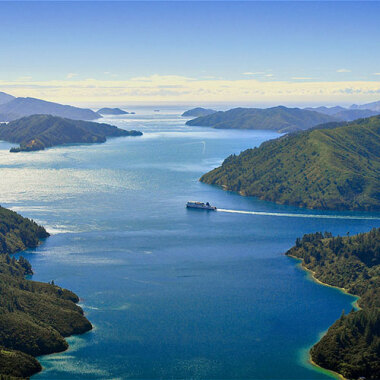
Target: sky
point(191, 52)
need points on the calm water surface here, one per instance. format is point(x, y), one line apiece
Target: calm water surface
point(172, 293)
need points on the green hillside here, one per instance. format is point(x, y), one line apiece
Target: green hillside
point(38, 132)
point(351, 346)
point(18, 233)
point(281, 119)
point(34, 317)
point(327, 168)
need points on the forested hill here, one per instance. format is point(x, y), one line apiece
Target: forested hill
point(336, 166)
point(18, 233)
point(34, 317)
point(348, 262)
point(38, 132)
point(351, 346)
point(280, 119)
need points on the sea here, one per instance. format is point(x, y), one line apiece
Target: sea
point(173, 293)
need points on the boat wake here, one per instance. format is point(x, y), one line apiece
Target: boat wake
point(319, 216)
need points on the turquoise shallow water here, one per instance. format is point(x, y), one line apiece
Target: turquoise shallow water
point(172, 293)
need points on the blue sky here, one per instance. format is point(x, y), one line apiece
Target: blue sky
point(219, 42)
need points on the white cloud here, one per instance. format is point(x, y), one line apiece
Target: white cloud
point(24, 78)
point(254, 73)
point(175, 88)
point(110, 74)
point(71, 75)
point(269, 75)
point(301, 78)
point(376, 73)
point(343, 71)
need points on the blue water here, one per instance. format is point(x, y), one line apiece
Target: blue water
point(172, 293)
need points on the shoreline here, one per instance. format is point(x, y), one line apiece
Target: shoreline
point(315, 279)
point(29, 278)
point(311, 274)
point(330, 371)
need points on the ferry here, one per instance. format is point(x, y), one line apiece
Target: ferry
point(201, 205)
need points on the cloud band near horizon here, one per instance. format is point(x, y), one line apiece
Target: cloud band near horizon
point(173, 88)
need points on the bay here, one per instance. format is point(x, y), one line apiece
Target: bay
point(172, 293)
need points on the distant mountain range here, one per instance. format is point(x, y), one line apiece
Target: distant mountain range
point(12, 108)
point(112, 111)
point(335, 167)
point(374, 106)
point(280, 119)
point(345, 114)
point(38, 132)
point(197, 112)
point(5, 98)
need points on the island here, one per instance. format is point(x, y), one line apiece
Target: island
point(280, 119)
point(197, 112)
point(38, 132)
point(333, 167)
point(351, 345)
point(21, 107)
point(35, 317)
point(112, 111)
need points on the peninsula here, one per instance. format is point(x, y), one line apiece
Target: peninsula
point(280, 119)
point(351, 345)
point(38, 132)
point(34, 317)
point(332, 167)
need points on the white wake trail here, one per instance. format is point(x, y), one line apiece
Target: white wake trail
point(300, 215)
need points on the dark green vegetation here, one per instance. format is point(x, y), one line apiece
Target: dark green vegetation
point(349, 262)
point(335, 167)
point(34, 317)
point(38, 132)
point(21, 107)
point(281, 119)
point(351, 346)
point(112, 111)
point(18, 233)
point(345, 114)
point(197, 112)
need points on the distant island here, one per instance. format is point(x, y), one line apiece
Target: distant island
point(333, 167)
point(197, 112)
point(15, 108)
point(112, 111)
point(280, 119)
point(34, 317)
point(351, 345)
point(38, 132)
